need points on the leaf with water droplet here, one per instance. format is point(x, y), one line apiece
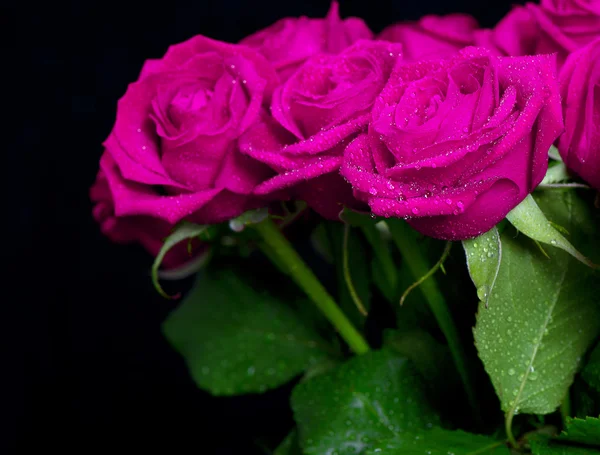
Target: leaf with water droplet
point(238, 337)
point(440, 442)
point(181, 232)
point(543, 314)
point(484, 254)
point(528, 218)
point(374, 396)
point(434, 362)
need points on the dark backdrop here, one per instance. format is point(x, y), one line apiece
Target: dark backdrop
point(84, 362)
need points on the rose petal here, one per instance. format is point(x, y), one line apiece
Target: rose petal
point(315, 169)
point(135, 199)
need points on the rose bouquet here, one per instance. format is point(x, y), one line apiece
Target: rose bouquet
point(320, 181)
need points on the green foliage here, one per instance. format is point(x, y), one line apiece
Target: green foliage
point(536, 327)
point(582, 431)
point(238, 338)
point(440, 442)
point(542, 317)
point(580, 437)
point(431, 358)
point(543, 445)
point(528, 218)
point(484, 255)
point(375, 396)
point(183, 231)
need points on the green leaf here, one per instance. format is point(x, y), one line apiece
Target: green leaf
point(528, 218)
point(440, 442)
point(591, 372)
point(183, 231)
point(542, 316)
point(432, 360)
point(484, 255)
point(374, 396)
point(554, 153)
point(290, 445)
point(323, 366)
point(582, 431)
point(556, 173)
point(542, 445)
point(238, 338)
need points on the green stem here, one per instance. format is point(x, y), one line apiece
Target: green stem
point(309, 283)
point(509, 433)
point(404, 239)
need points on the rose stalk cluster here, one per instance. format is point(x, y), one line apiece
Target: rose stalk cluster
point(437, 121)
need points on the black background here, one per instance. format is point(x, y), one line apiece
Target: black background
point(84, 362)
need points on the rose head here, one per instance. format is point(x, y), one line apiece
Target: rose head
point(172, 153)
point(432, 36)
point(455, 144)
point(579, 80)
point(560, 26)
point(148, 231)
point(290, 41)
point(315, 113)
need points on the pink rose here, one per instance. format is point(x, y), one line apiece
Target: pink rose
point(560, 26)
point(315, 113)
point(580, 89)
point(432, 36)
point(173, 153)
point(290, 41)
point(145, 230)
point(455, 144)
